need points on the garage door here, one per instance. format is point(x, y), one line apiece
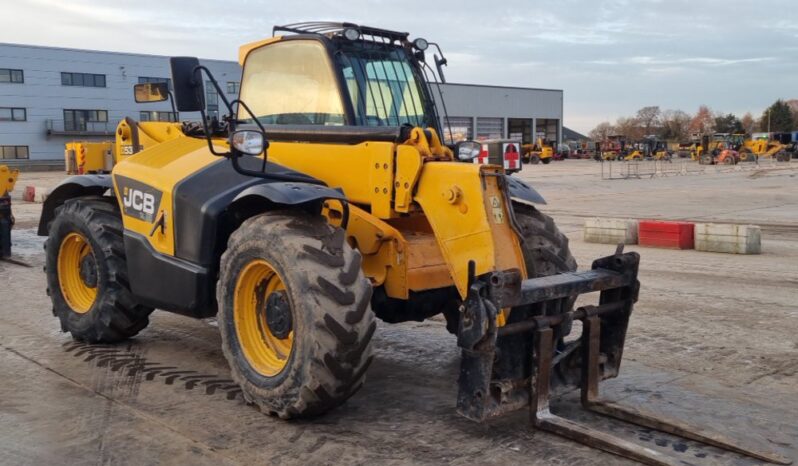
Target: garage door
point(462, 128)
point(490, 128)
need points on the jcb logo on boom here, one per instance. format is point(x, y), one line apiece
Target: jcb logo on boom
point(138, 199)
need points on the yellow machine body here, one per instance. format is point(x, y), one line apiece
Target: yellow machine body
point(88, 157)
point(81, 157)
point(416, 216)
point(8, 179)
point(543, 151)
point(761, 148)
point(134, 136)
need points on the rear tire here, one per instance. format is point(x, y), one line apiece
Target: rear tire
point(327, 297)
point(93, 303)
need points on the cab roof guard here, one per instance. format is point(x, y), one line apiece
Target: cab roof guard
point(330, 29)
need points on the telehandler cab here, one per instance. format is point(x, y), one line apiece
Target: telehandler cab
point(323, 199)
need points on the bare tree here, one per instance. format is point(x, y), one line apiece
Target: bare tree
point(649, 118)
point(602, 131)
point(629, 128)
point(675, 125)
point(703, 122)
point(749, 123)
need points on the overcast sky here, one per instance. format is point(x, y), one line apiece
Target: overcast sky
point(610, 57)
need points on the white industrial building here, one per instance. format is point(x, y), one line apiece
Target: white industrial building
point(494, 112)
point(50, 96)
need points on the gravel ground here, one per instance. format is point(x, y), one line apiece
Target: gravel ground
point(714, 339)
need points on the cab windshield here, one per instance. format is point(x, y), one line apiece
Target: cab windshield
point(383, 86)
point(294, 82)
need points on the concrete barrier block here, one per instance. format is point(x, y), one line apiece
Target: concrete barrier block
point(728, 238)
point(610, 230)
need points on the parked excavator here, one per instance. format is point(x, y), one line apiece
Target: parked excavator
point(326, 198)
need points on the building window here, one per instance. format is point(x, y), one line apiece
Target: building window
point(157, 116)
point(233, 87)
point(149, 79)
point(11, 76)
point(85, 120)
point(14, 152)
point(82, 79)
point(211, 98)
point(462, 129)
point(490, 128)
point(13, 114)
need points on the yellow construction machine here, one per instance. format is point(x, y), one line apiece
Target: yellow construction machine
point(649, 148)
point(765, 146)
point(323, 200)
point(8, 179)
point(538, 152)
point(92, 157)
point(718, 148)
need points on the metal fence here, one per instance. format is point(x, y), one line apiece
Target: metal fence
point(621, 170)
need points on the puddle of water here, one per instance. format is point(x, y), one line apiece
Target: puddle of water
point(26, 243)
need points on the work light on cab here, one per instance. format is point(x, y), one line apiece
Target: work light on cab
point(468, 150)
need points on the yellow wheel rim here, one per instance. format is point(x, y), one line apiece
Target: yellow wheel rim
point(78, 290)
point(264, 351)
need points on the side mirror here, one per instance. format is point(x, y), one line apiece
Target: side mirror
point(187, 79)
point(150, 92)
point(248, 142)
point(467, 150)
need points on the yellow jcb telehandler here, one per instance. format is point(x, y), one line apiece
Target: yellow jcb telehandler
point(326, 198)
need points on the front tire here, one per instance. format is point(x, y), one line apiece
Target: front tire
point(546, 252)
point(87, 273)
point(294, 314)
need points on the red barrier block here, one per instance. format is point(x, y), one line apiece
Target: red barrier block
point(29, 195)
point(673, 235)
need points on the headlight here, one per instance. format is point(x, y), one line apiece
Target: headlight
point(468, 150)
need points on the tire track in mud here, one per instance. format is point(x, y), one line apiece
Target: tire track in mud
point(137, 369)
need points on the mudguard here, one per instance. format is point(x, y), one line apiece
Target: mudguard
point(522, 192)
point(74, 186)
point(290, 193)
